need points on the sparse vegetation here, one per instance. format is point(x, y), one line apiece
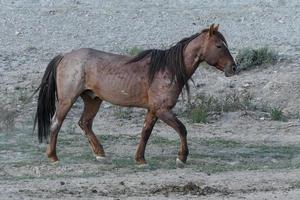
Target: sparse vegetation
point(277, 114)
point(134, 51)
point(23, 96)
point(70, 129)
point(234, 101)
point(204, 106)
point(7, 118)
point(123, 112)
point(199, 114)
point(11, 106)
point(248, 58)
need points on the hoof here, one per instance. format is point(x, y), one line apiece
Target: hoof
point(53, 159)
point(100, 158)
point(55, 162)
point(144, 165)
point(103, 160)
point(179, 163)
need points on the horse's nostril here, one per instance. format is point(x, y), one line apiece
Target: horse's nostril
point(234, 68)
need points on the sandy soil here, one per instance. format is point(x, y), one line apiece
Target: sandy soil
point(240, 155)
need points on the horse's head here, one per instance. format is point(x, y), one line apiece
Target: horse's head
point(215, 51)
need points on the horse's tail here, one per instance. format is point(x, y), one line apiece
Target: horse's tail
point(46, 100)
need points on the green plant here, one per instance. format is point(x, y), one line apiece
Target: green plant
point(134, 51)
point(199, 114)
point(276, 114)
point(204, 106)
point(248, 57)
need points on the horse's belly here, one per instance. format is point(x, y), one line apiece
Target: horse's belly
point(122, 98)
point(122, 93)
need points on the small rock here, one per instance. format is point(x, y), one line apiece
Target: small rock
point(62, 183)
point(106, 106)
point(274, 160)
point(246, 85)
point(52, 12)
point(281, 21)
point(17, 33)
point(94, 191)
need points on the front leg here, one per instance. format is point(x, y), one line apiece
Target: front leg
point(169, 118)
point(149, 123)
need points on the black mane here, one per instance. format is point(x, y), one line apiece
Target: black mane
point(171, 59)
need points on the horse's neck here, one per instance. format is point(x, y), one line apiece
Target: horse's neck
point(191, 57)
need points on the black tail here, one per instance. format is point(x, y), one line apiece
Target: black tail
point(46, 100)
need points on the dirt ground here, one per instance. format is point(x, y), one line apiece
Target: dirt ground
point(237, 155)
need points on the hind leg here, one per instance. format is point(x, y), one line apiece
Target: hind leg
point(91, 107)
point(62, 109)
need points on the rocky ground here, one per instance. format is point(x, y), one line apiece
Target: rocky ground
point(237, 155)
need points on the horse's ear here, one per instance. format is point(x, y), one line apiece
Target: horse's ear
point(211, 29)
point(217, 27)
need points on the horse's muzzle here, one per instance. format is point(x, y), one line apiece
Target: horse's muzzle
point(230, 70)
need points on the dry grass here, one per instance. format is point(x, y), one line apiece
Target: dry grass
point(248, 58)
point(205, 106)
point(7, 118)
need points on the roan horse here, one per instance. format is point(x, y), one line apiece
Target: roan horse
point(152, 80)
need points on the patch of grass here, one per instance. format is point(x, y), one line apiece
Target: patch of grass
point(277, 114)
point(294, 185)
point(207, 155)
point(124, 162)
point(295, 115)
point(120, 139)
point(7, 118)
point(162, 162)
point(235, 156)
point(269, 149)
point(11, 106)
point(199, 114)
point(70, 129)
point(158, 140)
point(123, 112)
point(134, 51)
point(233, 102)
point(205, 106)
point(221, 143)
point(200, 110)
point(248, 58)
point(23, 95)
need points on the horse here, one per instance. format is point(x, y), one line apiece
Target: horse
point(152, 80)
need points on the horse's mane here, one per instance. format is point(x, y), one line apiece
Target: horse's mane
point(171, 59)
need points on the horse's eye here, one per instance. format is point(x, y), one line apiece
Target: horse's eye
point(219, 46)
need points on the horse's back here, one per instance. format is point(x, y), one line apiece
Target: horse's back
point(90, 54)
point(109, 76)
